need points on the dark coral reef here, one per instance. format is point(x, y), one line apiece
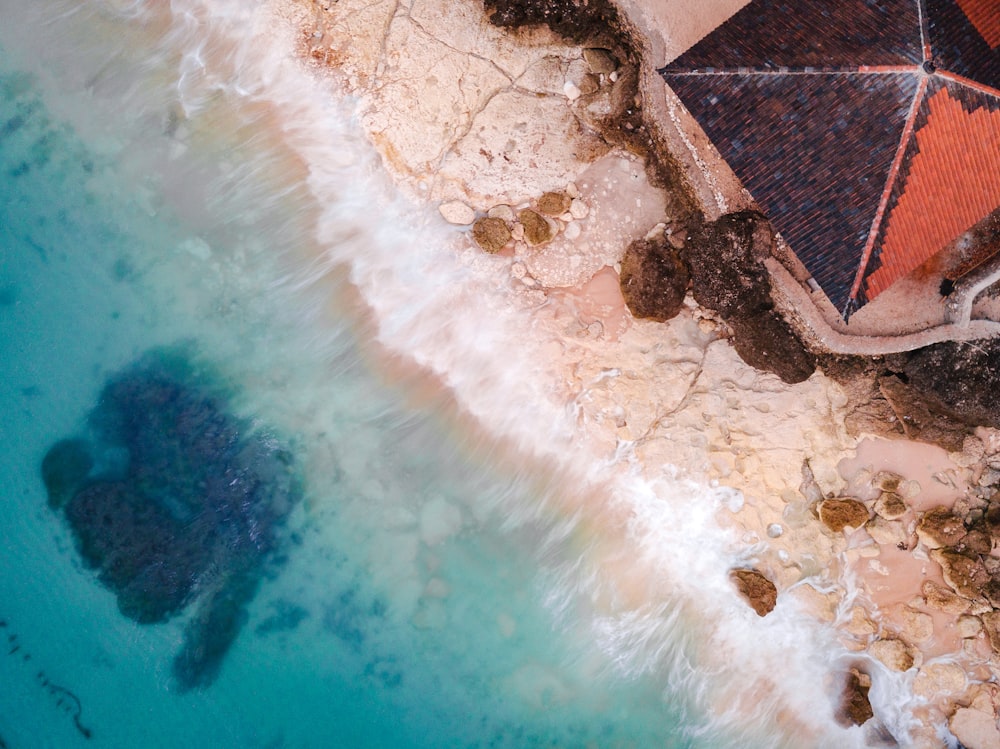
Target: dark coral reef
point(174, 502)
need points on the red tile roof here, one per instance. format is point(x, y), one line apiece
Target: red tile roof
point(869, 132)
point(952, 182)
point(985, 16)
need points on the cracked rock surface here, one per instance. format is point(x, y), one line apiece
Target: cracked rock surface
point(458, 108)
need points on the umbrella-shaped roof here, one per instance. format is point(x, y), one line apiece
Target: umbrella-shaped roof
point(868, 130)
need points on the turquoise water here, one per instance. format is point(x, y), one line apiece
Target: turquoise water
point(171, 182)
point(400, 611)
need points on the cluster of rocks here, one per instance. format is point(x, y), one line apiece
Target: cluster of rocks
point(960, 539)
point(531, 224)
point(722, 264)
point(964, 603)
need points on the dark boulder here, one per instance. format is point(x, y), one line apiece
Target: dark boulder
point(139, 551)
point(756, 590)
point(571, 19)
point(654, 279)
point(728, 276)
point(768, 343)
point(726, 258)
point(959, 378)
point(855, 707)
point(839, 513)
point(492, 234)
point(213, 629)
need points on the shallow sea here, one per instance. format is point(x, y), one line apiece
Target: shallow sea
point(402, 614)
point(426, 593)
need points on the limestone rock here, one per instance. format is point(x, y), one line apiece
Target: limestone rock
point(860, 624)
point(546, 76)
point(431, 93)
point(868, 412)
point(578, 209)
point(992, 565)
point(941, 599)
point(887, 481)
point(985, 697)
point(919, 419)
point(492, 234)
point(937, 679)
point(967, 577)
point(610, 226)
point(975, 729)
point(809, 489)
point(895, 654)
point(991, 625)
point(503, 212)
point(961, 377)
point(600, 61)
point(498, 159)
point(969, 626)
point(939, 527)
point(457, 212)
point(855, 708)
point(916, 626)
point(537, 230)
point(822, 606)
point(888, 532)
point(837, 514)
point(554, 203)
point(890, 505)
point(758, 591)
point(653, 279)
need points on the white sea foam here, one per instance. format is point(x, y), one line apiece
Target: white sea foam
point(633, 558)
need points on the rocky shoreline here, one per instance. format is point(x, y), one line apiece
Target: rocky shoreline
point(525, 123)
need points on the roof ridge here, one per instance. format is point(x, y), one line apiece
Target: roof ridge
point(890, 182)
point(925, 37)
point(803, 70)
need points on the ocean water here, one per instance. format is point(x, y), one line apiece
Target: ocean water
point(169, 183)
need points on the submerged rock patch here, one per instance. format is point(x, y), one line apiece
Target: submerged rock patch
point(174, 502)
